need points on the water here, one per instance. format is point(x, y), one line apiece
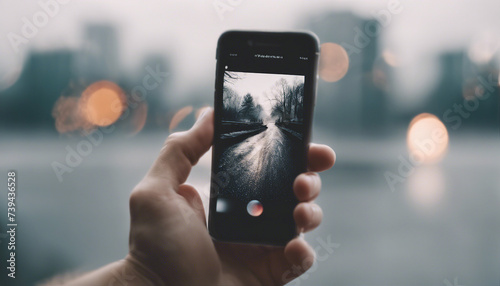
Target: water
point(449, 230)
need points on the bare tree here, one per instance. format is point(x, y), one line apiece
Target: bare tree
point(297, 100)
point(279, 98)
point(287, 101)
point(231, 102)
point(231, 77)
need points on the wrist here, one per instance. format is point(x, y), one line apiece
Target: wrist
point(127, 271)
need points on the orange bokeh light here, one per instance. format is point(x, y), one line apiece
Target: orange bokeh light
point(67, 115)
point(139, 118)
point(179, 116)
point(333, 62)
point(102, 103)
point(390, 58)
point(427, 138)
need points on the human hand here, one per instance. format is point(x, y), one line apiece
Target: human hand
point(169, 240)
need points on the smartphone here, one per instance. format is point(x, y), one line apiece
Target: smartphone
point(265, 90)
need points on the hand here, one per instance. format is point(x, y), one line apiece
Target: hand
point(169, 240)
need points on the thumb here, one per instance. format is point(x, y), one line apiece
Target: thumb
point(182, 150)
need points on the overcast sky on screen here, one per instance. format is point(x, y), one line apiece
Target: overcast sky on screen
point(261, 86)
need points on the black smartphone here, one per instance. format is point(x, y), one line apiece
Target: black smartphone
point(265, 89)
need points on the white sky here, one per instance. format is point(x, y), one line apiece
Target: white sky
point(257, 84)
point(188, 30)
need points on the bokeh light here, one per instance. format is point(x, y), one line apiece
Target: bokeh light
point(102, 103)
point(333, 62)
point(427, 139)
point(380, 79)
point(179, 116)
point(483, 48)
point(66, 113)
point(139, 116)
point(390, 58)
point(472, 89)
point(10, 78)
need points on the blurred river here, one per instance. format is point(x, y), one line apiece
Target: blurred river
point(440, 224)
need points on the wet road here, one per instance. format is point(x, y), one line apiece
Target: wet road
point(259, 167)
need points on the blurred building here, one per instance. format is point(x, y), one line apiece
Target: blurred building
point(46, 76)
point(99, 55)
point(354, 104)
point(157, 98)
point(29, 102)
point(467, 93)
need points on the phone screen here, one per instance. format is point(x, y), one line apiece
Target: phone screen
point(263, 111)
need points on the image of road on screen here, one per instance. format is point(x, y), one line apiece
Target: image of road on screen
point(261, 133)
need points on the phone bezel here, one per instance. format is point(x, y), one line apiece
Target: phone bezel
point(303, 43)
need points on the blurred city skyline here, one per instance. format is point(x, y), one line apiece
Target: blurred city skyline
point(364, 100)
point(416, 36)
